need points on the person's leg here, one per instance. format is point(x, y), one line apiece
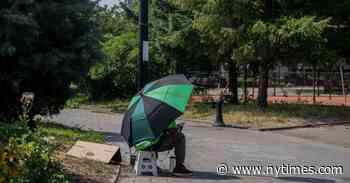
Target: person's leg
point(165, 144)
point(180, 148)
point(168, 142)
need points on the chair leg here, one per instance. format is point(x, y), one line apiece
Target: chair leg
point(146, 162)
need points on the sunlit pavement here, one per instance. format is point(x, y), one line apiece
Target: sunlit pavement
point(208, 147)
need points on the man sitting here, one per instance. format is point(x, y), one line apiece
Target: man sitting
point(170, 138)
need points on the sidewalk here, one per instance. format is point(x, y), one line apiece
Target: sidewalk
point(207, 147)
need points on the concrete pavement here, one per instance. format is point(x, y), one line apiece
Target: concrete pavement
point(208, 147)
point(337, 135)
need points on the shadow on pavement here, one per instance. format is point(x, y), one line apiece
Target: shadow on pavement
point(88, 179)
point(206, 176)
point(306, 180)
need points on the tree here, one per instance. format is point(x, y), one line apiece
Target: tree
point(114, 76)
point(177, 43)
point(222, 25)
point(44, 47)
point(286, 37)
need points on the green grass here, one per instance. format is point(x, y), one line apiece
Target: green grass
point(120, 106)
point(76, 101)
point(61, 134)
point(68, 135)
point(277, 115)
point(117, 105)
point(82, 101)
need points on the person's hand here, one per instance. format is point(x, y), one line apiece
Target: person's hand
point(172, 131)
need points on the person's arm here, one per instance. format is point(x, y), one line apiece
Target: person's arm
point(172, 125)
point(141, 146)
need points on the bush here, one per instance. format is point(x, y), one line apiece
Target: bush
point(27, 159)
point(115, 77)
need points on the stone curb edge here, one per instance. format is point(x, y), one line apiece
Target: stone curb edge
point(116, 175)
point(302, 126)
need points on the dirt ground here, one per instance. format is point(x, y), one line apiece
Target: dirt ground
point(324, 100)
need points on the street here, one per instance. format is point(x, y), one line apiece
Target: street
point(207, 147)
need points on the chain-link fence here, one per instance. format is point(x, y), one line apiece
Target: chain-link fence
point(289, 83)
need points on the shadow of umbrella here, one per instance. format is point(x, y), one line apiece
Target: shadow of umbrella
point(201, 175)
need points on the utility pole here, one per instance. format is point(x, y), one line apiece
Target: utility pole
point(142, 75)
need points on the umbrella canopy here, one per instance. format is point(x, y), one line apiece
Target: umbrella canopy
point(155, 107)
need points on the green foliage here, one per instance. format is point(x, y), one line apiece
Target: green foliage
point(287, 35)
point(76, 100)
point(116, 76)
point(172, 44)
point(223, 24)
point(65, 135)
point(26, 158)
point(44, 46)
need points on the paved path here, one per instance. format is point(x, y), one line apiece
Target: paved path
point(208, 147)
point(336, 135)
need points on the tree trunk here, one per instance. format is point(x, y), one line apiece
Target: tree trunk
point(314, 84)
point(245, 84)
point(330, 85)
point(318, 82)
point(268, 9)
point(263, 87)
point(264, 69)
point(233, 82)
point(255, 84)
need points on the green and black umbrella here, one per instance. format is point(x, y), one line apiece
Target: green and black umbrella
point(155, 107)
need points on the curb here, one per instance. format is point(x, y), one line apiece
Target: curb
point(210, 123)
point(195, 120)
point(117, 175)
point(238, 127)
point(302, 126)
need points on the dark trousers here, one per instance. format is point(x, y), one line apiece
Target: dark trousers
point(170, 140)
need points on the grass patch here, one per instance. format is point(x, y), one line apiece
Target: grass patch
point(277, 115)
point(66, 135)
point(117, 106)
point(104, 106)
point(59, 134)
point(76, 101)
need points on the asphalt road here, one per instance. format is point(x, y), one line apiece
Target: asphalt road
point(209, 147)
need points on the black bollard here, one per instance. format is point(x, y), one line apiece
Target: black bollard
point(219, 122)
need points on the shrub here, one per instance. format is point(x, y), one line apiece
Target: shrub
point(27, 159)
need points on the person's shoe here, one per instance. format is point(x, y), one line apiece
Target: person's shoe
point(181, 170)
